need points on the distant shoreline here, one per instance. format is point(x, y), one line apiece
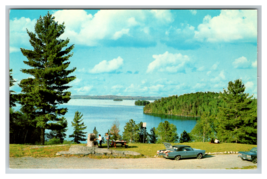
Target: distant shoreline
point(112, 97)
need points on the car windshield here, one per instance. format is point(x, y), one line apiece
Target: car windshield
point(253, 149)
point(188, 148)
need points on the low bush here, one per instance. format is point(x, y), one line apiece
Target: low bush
point(53, 141)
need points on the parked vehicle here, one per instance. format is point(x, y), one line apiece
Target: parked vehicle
point(250, 155)
point(180, 151)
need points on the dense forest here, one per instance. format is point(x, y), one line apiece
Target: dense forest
point(193, 104)
point(141, 102)
point(230, 115)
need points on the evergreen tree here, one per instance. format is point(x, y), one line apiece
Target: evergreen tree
point(236, 122)
point(59, 133)
point(46, 89)
point(114, 131)
point(152, 135)
point(12, 96)
point(185, 137)
point(166, 132)
point(95, 132)
point(204, 129)
point(130, 133)
point(79, 126)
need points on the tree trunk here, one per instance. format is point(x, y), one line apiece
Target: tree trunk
point(42, 136)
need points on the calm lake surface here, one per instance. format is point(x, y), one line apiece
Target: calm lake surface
point(102, 114)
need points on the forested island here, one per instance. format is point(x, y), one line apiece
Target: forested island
point(115, 97)
point(230, 115)
point(141, 102)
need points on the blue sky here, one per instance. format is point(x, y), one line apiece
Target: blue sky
point(149, 52)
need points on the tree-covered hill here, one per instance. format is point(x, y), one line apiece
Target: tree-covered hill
point(192, 104)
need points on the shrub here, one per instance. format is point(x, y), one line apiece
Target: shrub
point(53, 141)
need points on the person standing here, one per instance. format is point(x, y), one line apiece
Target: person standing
point(100, 140)
point(107, 138)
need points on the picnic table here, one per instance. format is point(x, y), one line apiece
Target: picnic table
point(122, 142)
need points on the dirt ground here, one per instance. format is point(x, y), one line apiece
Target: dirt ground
point(208, 162)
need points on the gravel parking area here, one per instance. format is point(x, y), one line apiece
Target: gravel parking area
point(208, 162)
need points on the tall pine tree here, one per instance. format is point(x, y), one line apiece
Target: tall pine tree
point(78, 134)
point(236, 121)
point(45, 90)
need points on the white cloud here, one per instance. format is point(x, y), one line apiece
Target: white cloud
point(120, 33)
point(18, 33)
point(221, 76)
point(214, 67)
point(208, 72)
point(194, 12)
point(168, 62)
point(254, 64)
point(156, 87)
point(249, 85)
point(241, 62)
point(116, 87)
point(83, 89)
point(85, 29)
point(76, 81)
point(228, 26)
point(201, 68)
point(107, 66)
point(13, 49)
point(199, 85)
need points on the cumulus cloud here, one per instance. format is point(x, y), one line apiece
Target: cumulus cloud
point(201, 68)
point(18, 33)
point(116, 87)
point(249, 85)
point(13, 49)
point(85, 29)
point(156, 87)
point(169, 62)
point(228, 26)
point(241, 62)
point(254, 64)
point(107, 66)
point(221, 76)
point(83, 89)
point(214, 67)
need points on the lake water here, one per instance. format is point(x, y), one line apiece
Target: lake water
point(102, 114)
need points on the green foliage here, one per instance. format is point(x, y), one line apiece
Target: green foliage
point(193, 104)
point(152, 135)
point(78, 134)
point(53, 141)
point(59, 132)
point(12, 96)
point(48, 61)
point(114, 131)
point(237, 120)
point(130, 133)
point(204, 129)
point(142, 133)
point(141, 102)
point(95, 131)
point(185, 137)
point(166, 132)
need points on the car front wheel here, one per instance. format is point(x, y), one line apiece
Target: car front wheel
point(178, 157)
point(254, 160)
point(199, 156)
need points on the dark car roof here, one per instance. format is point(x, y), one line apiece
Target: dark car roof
point(178, 146)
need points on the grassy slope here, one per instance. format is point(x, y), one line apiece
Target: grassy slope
point(18, 150)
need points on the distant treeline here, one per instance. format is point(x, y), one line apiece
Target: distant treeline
point(115, 97)
point(141, 102)
point(192, 104)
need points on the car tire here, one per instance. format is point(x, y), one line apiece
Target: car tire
point(243, 159)
point(254, 160)
point(178, 157)
point(199, 156)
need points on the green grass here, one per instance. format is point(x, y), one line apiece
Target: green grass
point(149, 150)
